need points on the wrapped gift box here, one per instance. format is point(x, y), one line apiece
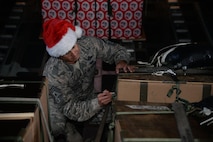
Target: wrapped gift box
point(122, 18)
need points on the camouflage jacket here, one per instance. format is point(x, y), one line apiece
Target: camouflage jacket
point(72, 86)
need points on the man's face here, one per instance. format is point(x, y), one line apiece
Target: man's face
point(72, 56)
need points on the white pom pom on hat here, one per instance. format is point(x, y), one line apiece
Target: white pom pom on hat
point(60, 36)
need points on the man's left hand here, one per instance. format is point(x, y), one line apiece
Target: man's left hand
point(125, 67)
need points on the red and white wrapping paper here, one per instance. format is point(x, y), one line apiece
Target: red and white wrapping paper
point(92, 16)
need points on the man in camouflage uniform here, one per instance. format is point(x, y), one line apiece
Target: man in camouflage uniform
point(70, 72)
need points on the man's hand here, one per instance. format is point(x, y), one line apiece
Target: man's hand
point(125, 67)
point(104, 98)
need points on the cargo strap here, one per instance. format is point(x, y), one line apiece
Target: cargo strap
point(187, 105)
point(110, 15)
point(182, 123)
point(176, 88)
point(101, 127)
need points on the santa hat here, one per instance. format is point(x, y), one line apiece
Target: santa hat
point(60, 36)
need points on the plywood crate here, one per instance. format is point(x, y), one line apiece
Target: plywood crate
point(150, 88)
point(145, 125)
point(26, 99)
point(20, 122)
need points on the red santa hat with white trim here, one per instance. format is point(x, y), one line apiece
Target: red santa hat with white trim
point(60, 36)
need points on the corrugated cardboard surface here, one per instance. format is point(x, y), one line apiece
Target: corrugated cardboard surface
point(155, 88)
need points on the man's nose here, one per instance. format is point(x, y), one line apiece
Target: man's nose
point(75, 53)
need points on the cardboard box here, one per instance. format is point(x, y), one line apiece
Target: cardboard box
point(150, 88)
point(144, 125)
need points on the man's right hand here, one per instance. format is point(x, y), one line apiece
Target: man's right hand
point(104, 98)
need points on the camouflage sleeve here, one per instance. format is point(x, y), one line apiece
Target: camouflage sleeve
point(82, 110)
point(110, 52)
point(71, 103)
point(78, 110)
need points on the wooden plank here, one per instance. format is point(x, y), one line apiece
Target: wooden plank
point(16, 116)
